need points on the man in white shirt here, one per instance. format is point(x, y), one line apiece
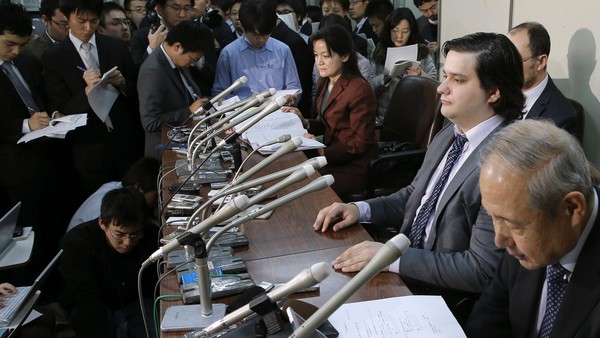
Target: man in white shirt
point(452, 251)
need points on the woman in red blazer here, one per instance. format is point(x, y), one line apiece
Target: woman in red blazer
point(346, 108)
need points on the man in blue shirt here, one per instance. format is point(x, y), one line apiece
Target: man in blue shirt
point(268, 63)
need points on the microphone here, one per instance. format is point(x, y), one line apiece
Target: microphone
point(238, 204)
point(316, 185)
point(280, 139)
point(266, 93)
point(297, 176)
point(307, 278)
point(289, 146)
point(271, 107)
point(209, 105)
point(392, 249)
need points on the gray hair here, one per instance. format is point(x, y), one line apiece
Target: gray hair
point(551, 159)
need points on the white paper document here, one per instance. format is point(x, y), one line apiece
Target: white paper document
point(395, 54)
point(406, 317)
point(102, 97)
point(57, 127)
point(274, 125)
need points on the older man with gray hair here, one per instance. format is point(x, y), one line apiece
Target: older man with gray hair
point(536, 186)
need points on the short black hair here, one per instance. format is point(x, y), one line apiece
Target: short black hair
point(162, 3)
point(499, 67)
point(108, 7)
point(81, 6)
point(539, 39)
point(192, 35)
point(126, 207)
point(336, 19)
point(14, 19)
point(379, 9)
point(345, 3)
point(314, 13)
point(47, 8)
point(420, 2)
point(339, 40)
point(142, 174)
point(258, 16)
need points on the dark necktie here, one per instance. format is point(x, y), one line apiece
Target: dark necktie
point(417, 231)
point(24, 93)
point(180, 77)
point(555, 290)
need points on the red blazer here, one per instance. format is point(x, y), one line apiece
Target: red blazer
point(347, 124)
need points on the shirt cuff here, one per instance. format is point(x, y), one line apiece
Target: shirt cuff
point(395, 267)
point(364, 210)
point(149, 50)
point(25, 128)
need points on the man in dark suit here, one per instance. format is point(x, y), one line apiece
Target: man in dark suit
point(452, 251)
point(57, 29)
point(166, 91)
point(543, 99)
point(357, 11)
point(102, 151)
point(428, 24)
point(545, 213)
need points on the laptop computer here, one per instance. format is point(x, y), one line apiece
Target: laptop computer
point(12, 315)
point(7, 228)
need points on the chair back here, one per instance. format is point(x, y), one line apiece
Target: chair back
point(412, 114)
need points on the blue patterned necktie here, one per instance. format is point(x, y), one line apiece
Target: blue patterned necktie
point(555, 290)
point(24, 93)
point(417, 231)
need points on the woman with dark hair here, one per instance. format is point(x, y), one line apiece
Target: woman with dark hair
point(345, 109)
point(400, 29)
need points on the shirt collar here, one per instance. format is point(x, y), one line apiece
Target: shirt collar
point(171, 63)
point(477, 134)
point(51, 39)
point(360, 23)
point(77, 43)
point(534, 93)
point(246, 45)
point(569, 260)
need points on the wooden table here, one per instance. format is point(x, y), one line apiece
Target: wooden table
point(285, 244)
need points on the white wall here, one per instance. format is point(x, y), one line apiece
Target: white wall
point(574, 30)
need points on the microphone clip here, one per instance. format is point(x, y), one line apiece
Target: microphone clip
point(271, 315)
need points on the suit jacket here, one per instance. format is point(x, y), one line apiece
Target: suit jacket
point(367, 30)
point(425, 28)
point(66, 88)
point(37, 47)
point(553, 105)
point(304, 59)
point(348, 127)
point(459, 253)
point(509, 305)
point(20, 162)
point(162, 96)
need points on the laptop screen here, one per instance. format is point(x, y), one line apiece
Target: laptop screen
point(7, 227)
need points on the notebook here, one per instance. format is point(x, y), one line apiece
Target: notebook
point(11, 315)
point(7, 228)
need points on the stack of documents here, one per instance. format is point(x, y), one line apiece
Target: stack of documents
point(57, 128)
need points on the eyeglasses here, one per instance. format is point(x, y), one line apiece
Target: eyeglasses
point(139, 10)
point(121, 236)
point(529, 58)
point(285, 11)
point(178, 9)
point(431, 8)
point(61, 25)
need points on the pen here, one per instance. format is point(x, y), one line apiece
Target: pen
point(31, 110)
point(81, 69)
point(196, 97)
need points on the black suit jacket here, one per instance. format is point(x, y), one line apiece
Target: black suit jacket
point(553, 105)
point(367, 30)
point(20, 162)
point(303, 57)
point(66, 88)
point(509, 305)
point(427, 30)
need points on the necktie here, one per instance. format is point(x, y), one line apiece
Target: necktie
point(417, 231)
point(188, 94)
point(24, 93)
point(557, 284)
point(88, 56)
